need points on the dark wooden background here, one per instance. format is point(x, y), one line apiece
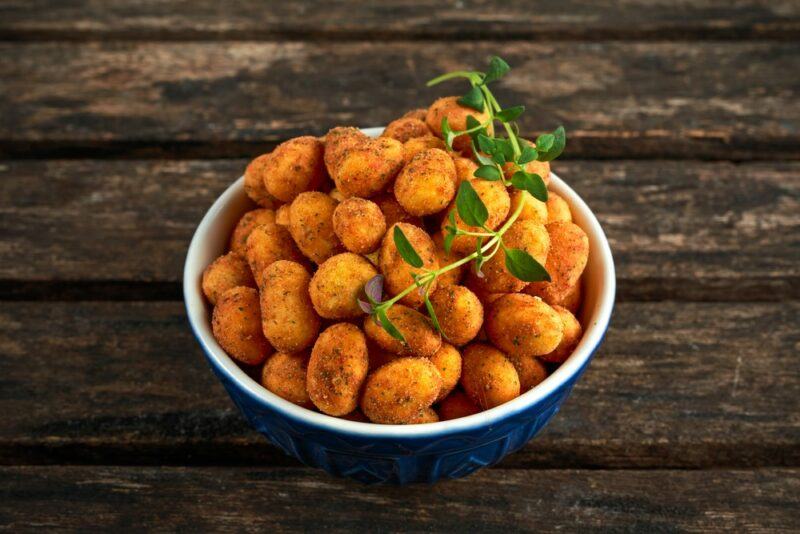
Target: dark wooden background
point(121, 121)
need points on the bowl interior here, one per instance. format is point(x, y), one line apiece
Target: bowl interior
point(211, 240)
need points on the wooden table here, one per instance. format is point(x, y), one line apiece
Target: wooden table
point(121, 121)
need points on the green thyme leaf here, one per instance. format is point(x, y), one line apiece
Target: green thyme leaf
point(482, 159)
point(497, 69)
point(506, 147)
point(447, 133)
point(557, 147)
point(475, 124)
point(532, 183)
point(488, 172)
point(386, 324)
point(450, 232)
point(448, 242)
point(472, 122)
point(432, 314)
point(476, 135)
point(545, 142)
point(473, 99)
point(405, 249)
point(485, 143)
point(498, 157)
point(470, 206)
point(479, 260)
point(509, 114)
point(522, 265)
point(528, 154)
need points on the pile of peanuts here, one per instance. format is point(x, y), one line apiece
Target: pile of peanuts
point(285, 295)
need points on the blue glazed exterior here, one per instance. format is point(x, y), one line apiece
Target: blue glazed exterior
point(398, 460)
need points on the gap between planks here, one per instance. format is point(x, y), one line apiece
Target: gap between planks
point(678, 231)
point(666, 34)
point(257, 499)
point(226, 150)
point(636, 100)
point(392, 20)
point(655, 290)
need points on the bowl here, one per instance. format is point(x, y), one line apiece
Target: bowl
point(397, 454)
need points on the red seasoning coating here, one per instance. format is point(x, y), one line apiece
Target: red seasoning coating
point(418, 344)
point(337, 369)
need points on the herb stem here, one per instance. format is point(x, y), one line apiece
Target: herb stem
point(470, 75)
point(492, 253)
point(473, 129)
point(496, 240)
point(474, 234)
point(495, 106)
point(428, 278)
point(490, 152)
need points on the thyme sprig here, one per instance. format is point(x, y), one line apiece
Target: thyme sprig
point(493, 153)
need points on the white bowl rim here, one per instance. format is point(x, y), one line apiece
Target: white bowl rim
point(592, 337)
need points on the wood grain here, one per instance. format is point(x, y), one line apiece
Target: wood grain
point(684, 385)
point(91, 229)
point(398, 19)
point(207, 99)
point(258, 499)
point(685, 392)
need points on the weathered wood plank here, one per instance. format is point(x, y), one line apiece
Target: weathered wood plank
point(120, 229)
point(682, 385)
point(671, 100)
point(394, 19)
point(293, 500)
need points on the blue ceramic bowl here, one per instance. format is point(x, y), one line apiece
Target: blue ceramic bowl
point(397, 453)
